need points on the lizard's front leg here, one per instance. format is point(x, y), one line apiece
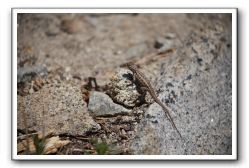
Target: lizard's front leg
point(141, 90)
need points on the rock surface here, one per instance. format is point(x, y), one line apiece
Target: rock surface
point(27, 73)
point(165, 43)
point(194, 80)
point(197, 86)
point(101, 104)
point(121, 89)
point(57, 108)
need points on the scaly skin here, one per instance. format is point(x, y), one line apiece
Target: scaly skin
point(145, 83)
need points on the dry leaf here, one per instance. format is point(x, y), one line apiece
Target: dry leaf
point(22, 146)
point(53, 144)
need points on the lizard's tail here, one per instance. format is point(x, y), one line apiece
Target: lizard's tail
point(166, 110)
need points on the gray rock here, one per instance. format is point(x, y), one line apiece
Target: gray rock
point(155, 135)
point(121, 89)
point(164, 43)
point(106, 41)
point(196, 84)
point(57, 108)
point(27, 73)
point(101, 104)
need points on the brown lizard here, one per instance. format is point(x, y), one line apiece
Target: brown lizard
point(145, 84)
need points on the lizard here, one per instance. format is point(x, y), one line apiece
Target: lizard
point(146, 85)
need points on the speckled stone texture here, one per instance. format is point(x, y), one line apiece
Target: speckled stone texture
point(57, 108)
point(194, 79)
point(196, 84)
point(101, 104)
point(121, 88)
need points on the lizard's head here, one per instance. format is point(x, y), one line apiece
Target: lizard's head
point(130, 65)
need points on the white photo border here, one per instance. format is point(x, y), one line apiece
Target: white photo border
point(233, 11)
